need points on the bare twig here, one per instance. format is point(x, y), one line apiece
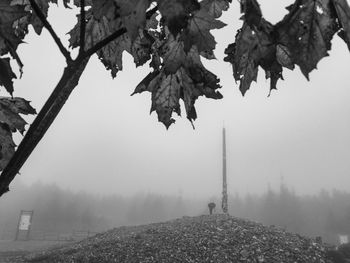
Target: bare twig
point(82, 26)
point(47, 25)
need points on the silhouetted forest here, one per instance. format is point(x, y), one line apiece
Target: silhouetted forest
point(326, 214)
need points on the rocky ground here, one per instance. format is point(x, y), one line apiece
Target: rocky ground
point(216, 238)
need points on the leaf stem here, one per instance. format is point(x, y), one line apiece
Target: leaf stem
point(82, 26)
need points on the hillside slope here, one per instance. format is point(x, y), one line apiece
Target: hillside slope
point(216, 238)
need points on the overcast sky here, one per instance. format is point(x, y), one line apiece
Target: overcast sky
point(106, 142)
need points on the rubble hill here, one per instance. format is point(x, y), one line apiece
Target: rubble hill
point(209, 238)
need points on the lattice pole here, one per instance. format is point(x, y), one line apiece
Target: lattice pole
point(224, 180)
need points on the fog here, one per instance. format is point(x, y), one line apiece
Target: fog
point(105, 142)
point(60, 213)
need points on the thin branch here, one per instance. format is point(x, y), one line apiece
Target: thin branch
point(47, 25)
point(115, 35)
point(82, 26)
point(104, 42)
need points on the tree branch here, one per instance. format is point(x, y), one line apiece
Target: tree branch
point(115, 35)
point(104, 42)
point(47, 25)
point(42, 122)
point(82, 26)
point(58, 97)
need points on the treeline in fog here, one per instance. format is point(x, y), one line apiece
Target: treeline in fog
point(59, 210)
point(326, 214)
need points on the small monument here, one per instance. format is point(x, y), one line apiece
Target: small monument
point(211, 207)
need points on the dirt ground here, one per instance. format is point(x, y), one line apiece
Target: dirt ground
point(10, 251)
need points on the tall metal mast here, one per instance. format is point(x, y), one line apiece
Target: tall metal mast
point(224, 182)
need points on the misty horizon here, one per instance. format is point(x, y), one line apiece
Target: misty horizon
point(61, 211)
point(254, 171)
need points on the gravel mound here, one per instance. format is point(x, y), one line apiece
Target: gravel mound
point(215, 238)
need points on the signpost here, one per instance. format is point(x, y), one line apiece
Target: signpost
point(24, 225)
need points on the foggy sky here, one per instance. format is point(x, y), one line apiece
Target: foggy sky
point(106, 142)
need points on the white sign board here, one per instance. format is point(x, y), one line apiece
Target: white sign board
point(24, 222)
point(343, 239)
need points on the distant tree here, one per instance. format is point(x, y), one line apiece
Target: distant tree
point(173, 35)
point(269, 211)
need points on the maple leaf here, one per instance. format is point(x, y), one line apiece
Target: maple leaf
point(7, 145)
point(173, 54)
point(175, 13)
point(6, 75)
point(105, 8)
point(133, 14)
point(252, 12)
point(189, 81)
point(254, 47)
point(307, 32)
point(303, 37)
point(111, 54)
point(9, 14)
point(343, 12)
point(33, 19)
point(198, 33)
point(215, 7)
point(10, 122)
point(283, 56)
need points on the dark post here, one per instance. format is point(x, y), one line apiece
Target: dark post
point(224, 182)
point(19, 220)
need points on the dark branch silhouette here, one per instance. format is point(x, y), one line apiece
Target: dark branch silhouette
point(47, 25)
point(55, 102)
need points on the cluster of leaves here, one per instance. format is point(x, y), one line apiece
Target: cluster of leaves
point(177, 69)
point(173, 35)
point(302, 38)
point(173, 43)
